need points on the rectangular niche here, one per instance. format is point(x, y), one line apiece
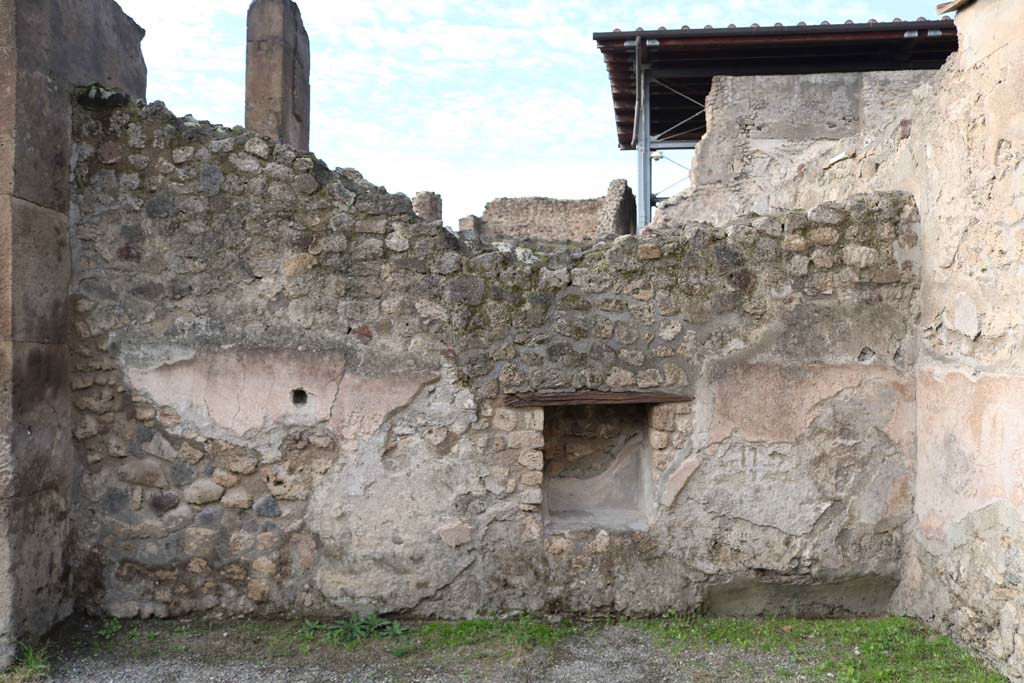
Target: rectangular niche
point(597, 472)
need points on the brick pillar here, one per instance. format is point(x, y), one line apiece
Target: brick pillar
point(46, 47)
point(277, 73)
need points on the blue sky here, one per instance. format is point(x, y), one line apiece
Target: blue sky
point(473, 100)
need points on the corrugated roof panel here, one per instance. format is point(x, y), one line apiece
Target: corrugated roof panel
point(952, 6)
point(686, 60)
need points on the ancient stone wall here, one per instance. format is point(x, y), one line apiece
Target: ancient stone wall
point(957, 143)
point(289, 395)
point(542, 218)
point(46, 46)
point(965, 162)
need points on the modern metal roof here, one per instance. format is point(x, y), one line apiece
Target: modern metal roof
point(681, 63)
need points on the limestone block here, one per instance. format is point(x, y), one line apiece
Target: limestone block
point(531, 478)
point(40, 425)
point(531, 419)
point(144, 473)
point(532, 460)
point(203, 491)
point(531, 497)
point(859, 256)
point(38, 269)
point(237, 498)
point(505, 419)
point(525, 439)
point(37, 530)
point(427, 205)
point(658, 439)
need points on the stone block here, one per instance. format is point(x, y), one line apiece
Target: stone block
point(525, 439)
point(82, 42)
point(40, 422)
point(504, 419)
point(532, 419)
point(37, 533)
point(532, 460)
point(532, 478)
point(531, 497)
point(42, 140)
point(662, 416)
point(147, 473)
point(237, 498)
point(203, 491)
point(427, 205)
point(659, 439)
point(266, 506)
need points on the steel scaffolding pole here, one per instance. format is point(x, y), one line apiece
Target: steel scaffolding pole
point(644, 195)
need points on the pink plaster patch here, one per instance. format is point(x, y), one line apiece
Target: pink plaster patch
point(364, 403)
point(970, 446)
point(244, 391)
point(776, 404)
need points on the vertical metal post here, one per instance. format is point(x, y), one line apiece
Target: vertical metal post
point(643, 150)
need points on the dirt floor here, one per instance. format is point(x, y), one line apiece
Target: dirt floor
point(524, 651)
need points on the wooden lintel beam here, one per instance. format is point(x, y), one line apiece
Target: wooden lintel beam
point(583, 398)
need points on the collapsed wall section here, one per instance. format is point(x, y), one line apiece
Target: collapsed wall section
point(290, 395)
point(565, 220)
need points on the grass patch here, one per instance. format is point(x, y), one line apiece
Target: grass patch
point(32, 664)
point(523, 632)
point(890, 650)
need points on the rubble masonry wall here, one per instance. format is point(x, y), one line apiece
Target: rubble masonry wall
point(288, 395)
point(957, 144)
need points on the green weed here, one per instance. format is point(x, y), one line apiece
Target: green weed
point(110, 629)
point(32, 664)
point(886, 650)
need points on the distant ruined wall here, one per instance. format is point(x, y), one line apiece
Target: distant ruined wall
point(571, 220)
point(46, 47)
point(957, 143)
point(288, 394)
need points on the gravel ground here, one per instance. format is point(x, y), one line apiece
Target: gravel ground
point(268, 652)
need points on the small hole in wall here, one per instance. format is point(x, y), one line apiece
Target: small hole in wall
point(299, 397)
